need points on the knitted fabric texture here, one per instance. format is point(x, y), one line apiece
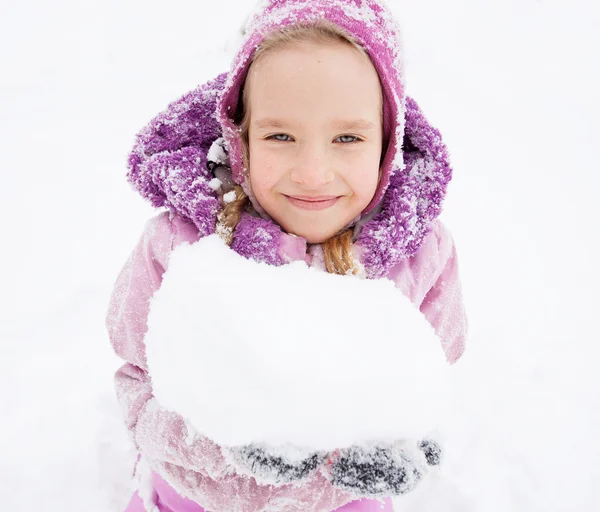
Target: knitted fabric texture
point(168, 166)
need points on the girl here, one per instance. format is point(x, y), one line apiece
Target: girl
point(308, 149)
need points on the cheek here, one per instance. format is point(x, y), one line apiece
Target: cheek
point(367, 186)
point(264, 173)
point(363, 176)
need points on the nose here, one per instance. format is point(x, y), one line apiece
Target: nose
point(311, 168)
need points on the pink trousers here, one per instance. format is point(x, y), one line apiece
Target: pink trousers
point(168, 500)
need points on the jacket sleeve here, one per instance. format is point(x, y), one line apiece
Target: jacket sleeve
point(156, 432)
point(443, 304)
point(193, 464)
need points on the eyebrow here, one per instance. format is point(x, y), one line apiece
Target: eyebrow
point(354, 124)
point(271, 122)
point(338, 124)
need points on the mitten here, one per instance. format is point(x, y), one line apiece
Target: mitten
point(383, 469)
point(274, 466)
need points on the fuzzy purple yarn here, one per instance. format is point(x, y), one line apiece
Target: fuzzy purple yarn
point(168, 167)
point(167, 164)
point(413, 199)
point(257, 239)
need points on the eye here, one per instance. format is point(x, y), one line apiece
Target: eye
point(281, 137)
point(347, 139)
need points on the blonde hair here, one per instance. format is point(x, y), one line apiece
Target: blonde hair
point(337, 250)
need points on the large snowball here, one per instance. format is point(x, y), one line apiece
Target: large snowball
point(249, 352)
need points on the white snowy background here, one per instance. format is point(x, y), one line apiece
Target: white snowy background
point(513, 86)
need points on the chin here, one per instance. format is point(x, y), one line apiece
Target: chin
point(312, 236)
point(316, 239)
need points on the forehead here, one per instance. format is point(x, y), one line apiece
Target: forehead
point(308, 80)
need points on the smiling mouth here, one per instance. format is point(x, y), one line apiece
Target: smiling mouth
point(313, 203)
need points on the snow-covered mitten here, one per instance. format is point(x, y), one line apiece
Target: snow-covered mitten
point(432, 451)
point(383, 469)
point(269, 465)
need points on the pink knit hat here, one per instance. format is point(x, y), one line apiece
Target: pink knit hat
point(372, 25)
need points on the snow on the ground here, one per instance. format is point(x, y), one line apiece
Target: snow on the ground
point(511, 85)
point(63, 446)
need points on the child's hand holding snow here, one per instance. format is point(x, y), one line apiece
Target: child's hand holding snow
point(275, 465)
point(293, 378)
point(383, 469)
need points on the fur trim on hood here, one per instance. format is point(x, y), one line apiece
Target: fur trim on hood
point(168, 165)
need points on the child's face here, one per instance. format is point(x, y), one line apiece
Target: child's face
point(315, 136)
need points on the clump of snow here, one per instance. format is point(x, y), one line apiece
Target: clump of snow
point(252, 353)
point(215, 184)
point(217, 153)
point(229, 197)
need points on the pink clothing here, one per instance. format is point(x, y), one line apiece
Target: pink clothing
point(169, 501)
point(198, 470)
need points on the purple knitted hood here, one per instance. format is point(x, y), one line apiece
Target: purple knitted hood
point(169, 161)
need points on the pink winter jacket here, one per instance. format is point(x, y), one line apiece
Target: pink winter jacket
point(198, 469)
